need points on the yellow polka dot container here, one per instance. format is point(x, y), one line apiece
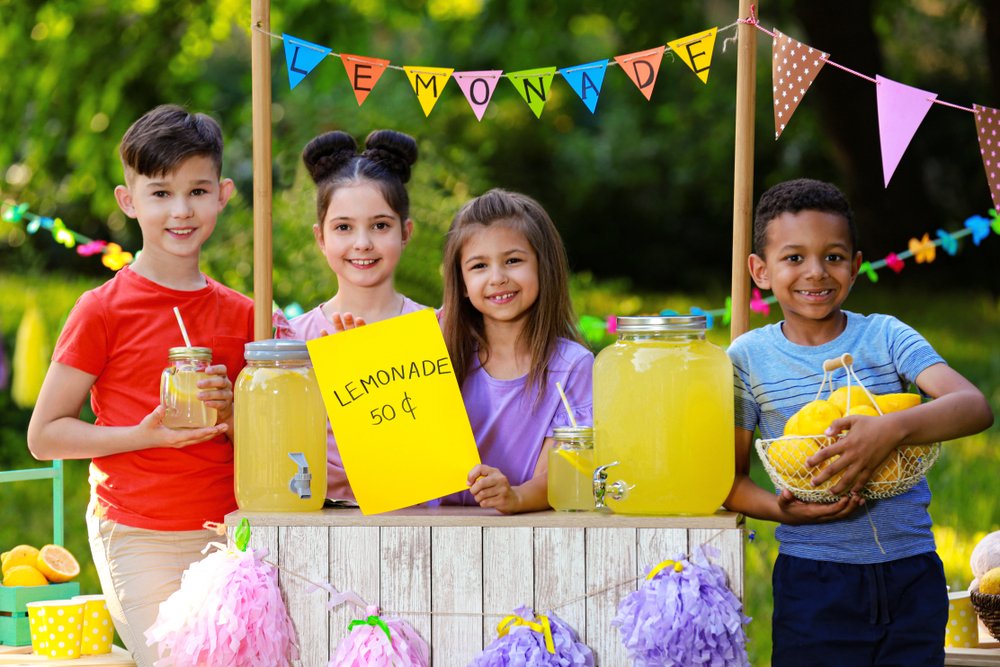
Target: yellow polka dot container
point(56, 627)
point(98, 630)
point(962, 631)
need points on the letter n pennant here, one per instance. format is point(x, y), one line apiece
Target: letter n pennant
point(364, 73)
point(794, 66)
point(988, 125)
point(478, 88)
point(901, 109)
point(301, 57)
point(533, 85)
point(696, 51)
point(642, 67)
point(586, 80)
point(427, 83)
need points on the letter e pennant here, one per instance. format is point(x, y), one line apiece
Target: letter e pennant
point(364, 73)
point(696, 51)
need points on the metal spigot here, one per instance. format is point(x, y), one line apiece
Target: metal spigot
point(616, 490)
point(300, 482)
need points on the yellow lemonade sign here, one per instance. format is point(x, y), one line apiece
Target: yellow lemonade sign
point(396, 411)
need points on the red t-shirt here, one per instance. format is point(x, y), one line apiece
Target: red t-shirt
point(121, 333)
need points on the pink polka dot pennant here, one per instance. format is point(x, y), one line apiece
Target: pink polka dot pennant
point(794, 66)
point(988, 127)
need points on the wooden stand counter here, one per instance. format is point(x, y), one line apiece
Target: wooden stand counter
point(453, 573)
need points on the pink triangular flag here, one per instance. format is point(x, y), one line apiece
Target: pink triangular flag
point(901, 109)
point(988, 127)
point(794, 66)
point(478, 87)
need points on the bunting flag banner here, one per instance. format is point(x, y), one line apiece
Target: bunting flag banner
point(533, 85)
point(987, 124)
point(478, 87)
point(923, 250)
point(427, 83)
point(642, 67)
point(301, 57)
point(586, 81)
point(901, 109)
point(794, 67)
point(696, 51)
point(363, 73)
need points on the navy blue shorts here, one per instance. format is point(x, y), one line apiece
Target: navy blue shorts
point(840, 615)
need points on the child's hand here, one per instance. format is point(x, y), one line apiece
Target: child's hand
point(345, 321)
point(492, 489)
point(216, 391)
point(796, 512)
point(152, 433)
point(868, 443)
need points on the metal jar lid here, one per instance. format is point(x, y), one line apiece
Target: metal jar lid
point(678, 323)
point(274, 349)
point(198, 353)
point(582, 436)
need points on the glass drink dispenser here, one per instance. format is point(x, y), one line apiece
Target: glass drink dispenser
point(663, 419)
point(280, 430)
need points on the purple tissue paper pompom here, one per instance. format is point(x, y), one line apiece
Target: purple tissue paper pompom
point(525, 647)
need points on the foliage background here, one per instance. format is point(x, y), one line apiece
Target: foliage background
point(641, 191)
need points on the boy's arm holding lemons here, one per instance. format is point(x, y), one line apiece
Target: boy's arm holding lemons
point(57, 432)
point(958, 409)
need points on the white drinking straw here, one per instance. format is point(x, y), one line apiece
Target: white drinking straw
point(565, 402)
point(187, 341)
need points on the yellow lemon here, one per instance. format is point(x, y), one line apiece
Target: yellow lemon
point(57, 563)
point(24, 575)
point(896, 402)
point(857, 395)
point(788, 456)
point(816, 416)
point(889, 471)
point(990, 583)
point(792, 425)
point(866, 410)
point(22, 554)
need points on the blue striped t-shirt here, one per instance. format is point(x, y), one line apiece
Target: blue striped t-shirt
point(774, 377)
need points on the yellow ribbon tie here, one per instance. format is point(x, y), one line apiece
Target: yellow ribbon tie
point(542, 628)
point(677, 565)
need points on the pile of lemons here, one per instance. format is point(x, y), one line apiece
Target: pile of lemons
point(990, 583)
point(24, 565)
point(788, 455)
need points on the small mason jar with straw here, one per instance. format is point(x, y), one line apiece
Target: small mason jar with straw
point(571, 465)
point(179, 384)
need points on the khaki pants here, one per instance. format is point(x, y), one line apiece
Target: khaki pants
point(139, 569)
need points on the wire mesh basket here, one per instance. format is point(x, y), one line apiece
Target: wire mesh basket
point(784, 458)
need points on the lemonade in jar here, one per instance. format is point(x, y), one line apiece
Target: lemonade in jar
point(179, 388)
point(571, 469)
point(663, 418)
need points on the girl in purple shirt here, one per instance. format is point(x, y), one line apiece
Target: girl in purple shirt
point(510, 330)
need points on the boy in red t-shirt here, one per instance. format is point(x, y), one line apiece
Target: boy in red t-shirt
point(152, 487)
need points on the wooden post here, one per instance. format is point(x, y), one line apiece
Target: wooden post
point(260, 57)
point(746, 80)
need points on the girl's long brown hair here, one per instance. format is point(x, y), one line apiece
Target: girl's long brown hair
point(551, 317)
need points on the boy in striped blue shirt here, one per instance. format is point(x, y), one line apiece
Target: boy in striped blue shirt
point(841, 598)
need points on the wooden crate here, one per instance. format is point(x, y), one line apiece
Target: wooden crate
point(14, 614)
point(470, 567)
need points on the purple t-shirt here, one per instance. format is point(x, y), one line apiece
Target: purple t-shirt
point(510, 426)
point(308, 326)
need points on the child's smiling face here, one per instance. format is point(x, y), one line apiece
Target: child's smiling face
point(809, 264)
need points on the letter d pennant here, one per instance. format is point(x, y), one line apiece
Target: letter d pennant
point(642, 67)
point(301, 57)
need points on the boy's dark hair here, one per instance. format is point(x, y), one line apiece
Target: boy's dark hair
point(157, 143)
point(801, 194)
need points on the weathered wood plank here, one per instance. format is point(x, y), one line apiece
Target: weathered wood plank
point(655, 546)
point(560, 575)
point(355, 563)
point(508, 575)
point(305, 552)
point(456, 587)
point(611, 572)
point(406, 576)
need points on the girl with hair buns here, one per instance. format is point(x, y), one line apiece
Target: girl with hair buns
point(363, 224)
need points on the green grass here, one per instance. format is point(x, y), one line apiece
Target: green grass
point(963, 327)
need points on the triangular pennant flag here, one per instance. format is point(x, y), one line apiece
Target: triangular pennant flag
point(794, 66)
point(696, 51)
point(988, 125)
point(586, 80)
point(642, 67)
point(427, 83)
point(901, 109)
point(478, 88)
point(301, 57)
point(364, 73)
point(533, 85)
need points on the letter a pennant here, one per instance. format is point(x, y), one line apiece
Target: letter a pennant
point(901, 109)
point(478, 88)
point(586, 80)
point(696, 51)
point(427, 83)
point(301, 57)
point(642, 67)
point(794, 66)
point(533, 85)
point(364, 73)
point(987, 126)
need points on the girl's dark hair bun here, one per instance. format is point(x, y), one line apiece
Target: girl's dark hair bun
point(328, 153)
point(396, 151)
